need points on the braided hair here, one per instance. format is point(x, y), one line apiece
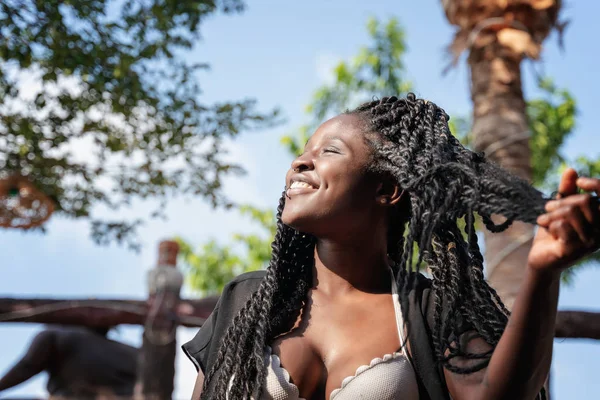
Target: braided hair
point(445, 183)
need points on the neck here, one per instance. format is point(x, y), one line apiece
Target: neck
point(341, 268)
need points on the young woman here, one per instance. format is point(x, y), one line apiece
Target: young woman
point(340, 314)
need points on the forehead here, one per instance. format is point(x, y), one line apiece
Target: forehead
point(345, 127)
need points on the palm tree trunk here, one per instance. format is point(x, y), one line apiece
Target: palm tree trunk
point(500, 130)
point(498, 34)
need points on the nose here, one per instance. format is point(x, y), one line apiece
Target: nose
point(302, 163)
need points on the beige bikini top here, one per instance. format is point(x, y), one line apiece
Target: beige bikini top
point(390, 377)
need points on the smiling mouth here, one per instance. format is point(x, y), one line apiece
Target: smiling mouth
point(301, 185)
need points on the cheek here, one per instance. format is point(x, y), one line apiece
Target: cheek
point(351, 188)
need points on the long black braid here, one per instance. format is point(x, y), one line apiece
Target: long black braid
point(444, 182)
point(271, 310)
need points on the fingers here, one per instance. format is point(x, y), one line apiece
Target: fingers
point(569, 224)
point(560, 229)
point(574, 216)
point(587, 204)
point(568, 183)
point(589, 184)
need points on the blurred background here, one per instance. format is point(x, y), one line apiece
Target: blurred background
point(124, 124)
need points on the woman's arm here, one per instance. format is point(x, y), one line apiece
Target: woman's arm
point(198, 386)
point(521, 360)
point(520, 363)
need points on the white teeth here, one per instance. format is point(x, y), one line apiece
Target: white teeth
point(297, 184)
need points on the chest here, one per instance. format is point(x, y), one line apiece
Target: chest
point(332, 340)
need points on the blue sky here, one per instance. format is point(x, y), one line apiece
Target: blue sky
point(279, 52)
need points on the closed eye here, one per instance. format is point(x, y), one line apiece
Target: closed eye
point(331, 150)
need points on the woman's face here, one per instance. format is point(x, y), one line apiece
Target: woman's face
point(330, 191)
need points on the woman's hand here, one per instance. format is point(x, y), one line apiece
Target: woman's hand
point(570, 229)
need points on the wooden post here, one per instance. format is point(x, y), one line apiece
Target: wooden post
point(156, 369)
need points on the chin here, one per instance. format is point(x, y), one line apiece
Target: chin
point(291, 219)
point(298, 220)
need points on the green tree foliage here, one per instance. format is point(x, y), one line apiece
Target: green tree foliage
point(551, 121)
point(212, 265)
point(378, 70)
point(109, 73)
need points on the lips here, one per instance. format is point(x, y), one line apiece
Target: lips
point(300, 183)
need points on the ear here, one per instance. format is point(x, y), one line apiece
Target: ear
point(388, 193)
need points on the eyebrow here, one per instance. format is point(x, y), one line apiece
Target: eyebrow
point(328, 138)
point(336, 138)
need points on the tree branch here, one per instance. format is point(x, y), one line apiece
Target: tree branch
point(578, 324)
point(98, 313)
